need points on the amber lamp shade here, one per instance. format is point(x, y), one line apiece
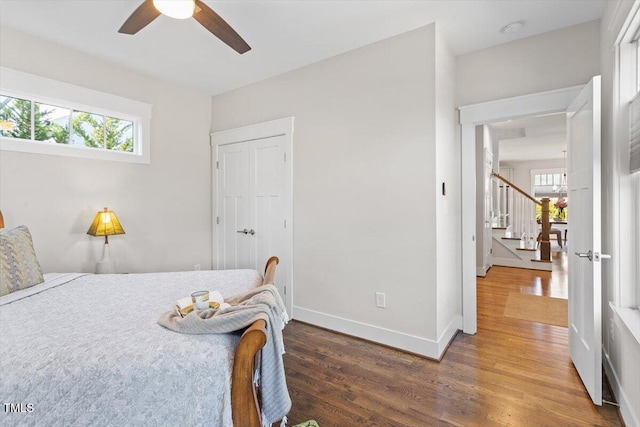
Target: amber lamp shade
point(105, 224)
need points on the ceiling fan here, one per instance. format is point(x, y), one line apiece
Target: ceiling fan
point(182, 9)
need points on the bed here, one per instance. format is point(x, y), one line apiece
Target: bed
point(86, 349)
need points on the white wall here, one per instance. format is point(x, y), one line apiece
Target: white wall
point(364, 184)
point(164, 207)
point(448, 219)
point(621, 349)
point(554, 60)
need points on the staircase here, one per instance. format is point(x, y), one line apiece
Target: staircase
point(515, 228)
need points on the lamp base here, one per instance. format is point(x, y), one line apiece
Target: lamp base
point(106, 265)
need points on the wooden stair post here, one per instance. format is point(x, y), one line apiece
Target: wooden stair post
point(545, 244)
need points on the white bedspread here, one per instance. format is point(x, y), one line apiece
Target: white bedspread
point(89, 352)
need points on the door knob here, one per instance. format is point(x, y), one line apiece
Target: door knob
point(252, 232)
point(593, 256)
point(585, 255)
point(245, 231)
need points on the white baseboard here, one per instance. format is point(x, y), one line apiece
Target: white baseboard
point(628, 417)
point(414, 344)
point(531, 265)
point(448, 334)
point(481, 272)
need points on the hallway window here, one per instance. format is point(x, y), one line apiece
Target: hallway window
point(629, 170)
point(636, 222)
point(551, 183)
point(633, 181)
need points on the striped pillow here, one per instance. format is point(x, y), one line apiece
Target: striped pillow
point(19, 267)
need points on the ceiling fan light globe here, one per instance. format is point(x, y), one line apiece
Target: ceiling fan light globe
point(179, 9)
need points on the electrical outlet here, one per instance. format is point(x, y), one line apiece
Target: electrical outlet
point(380, 300)
point(196, 267)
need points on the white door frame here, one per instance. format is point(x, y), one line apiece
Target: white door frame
point(279, 127)
point(487, 238)
point(479, 114)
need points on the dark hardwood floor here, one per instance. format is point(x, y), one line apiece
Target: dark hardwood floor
point(512, 373)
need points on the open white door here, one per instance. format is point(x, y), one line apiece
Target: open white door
point(585, 279)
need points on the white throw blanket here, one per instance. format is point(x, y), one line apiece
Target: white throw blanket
point(262, 302)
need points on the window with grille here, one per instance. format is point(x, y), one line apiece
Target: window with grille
point(39, 115)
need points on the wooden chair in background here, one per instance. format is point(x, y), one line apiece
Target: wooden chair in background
point(558, 234)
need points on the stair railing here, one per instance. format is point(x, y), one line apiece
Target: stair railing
point(515, 210)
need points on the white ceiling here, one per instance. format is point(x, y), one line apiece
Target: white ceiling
point(545, 137)
point(284, 35)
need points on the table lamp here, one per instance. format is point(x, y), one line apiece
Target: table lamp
point(105, 224)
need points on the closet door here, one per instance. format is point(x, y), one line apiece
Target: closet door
point(233, 206)
point(253, 205)
point(266, 200)
point(251, 220)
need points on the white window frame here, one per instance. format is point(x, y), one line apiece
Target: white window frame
point(626, 292)
point(22, 85)
point(546, 171)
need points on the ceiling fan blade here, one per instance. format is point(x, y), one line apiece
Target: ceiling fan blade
point(140, 18)
point(219, 28)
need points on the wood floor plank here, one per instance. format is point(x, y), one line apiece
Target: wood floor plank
point(511, 373)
